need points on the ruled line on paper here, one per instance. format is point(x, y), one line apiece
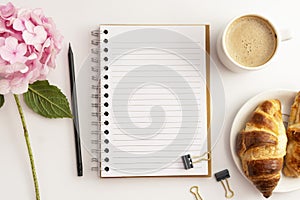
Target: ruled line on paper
point(130, 48)
point(182, 70)
point(138, 53)
point(161, 139)
point(151, 42)
point(135, 65)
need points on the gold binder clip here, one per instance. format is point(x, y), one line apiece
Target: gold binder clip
point(224, 175)
point(195, 191)
point(188, 162)
point(203, 157)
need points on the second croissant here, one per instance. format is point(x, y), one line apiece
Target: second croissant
point(261, 146)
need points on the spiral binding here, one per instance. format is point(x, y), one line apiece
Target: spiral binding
point(95, 132)
point(96, 96)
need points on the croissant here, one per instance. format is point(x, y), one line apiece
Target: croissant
point(292, 159)
point(261, 146)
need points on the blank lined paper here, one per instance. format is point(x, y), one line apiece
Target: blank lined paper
point(153, 100)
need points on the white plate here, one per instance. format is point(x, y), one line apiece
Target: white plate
point(286, 97)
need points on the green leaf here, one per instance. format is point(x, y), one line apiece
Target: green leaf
point(47, 100)
point(1, 100)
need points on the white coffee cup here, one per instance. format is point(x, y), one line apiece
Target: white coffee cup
point(249, 42)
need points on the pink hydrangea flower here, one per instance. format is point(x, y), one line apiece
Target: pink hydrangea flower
point(13, 52)
point(36, 36)
point(7, 11)
point(29, 44)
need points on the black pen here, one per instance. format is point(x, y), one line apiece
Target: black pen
point(75, 112)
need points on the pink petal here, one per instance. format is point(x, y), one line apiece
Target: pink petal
point(51, 62)
point(29, 26)
point(36, 16)
point(39, 12)
point(58, 41)
point(29, 76)
point(7, 11)
point(2, 62)
point(30, 49)
point(16, 35)
point(19, 59)
point(3, 69)
point(5, 31)
point(23, 14)
point(2, 41)
point(2, 25)
point(18, 25)
point(12, 57)
point(6, 69)
point(4, 86)
point(38, 47)
point(22, 49)
point(28, 37)
point(5, 54)
point(23, 71)
point(11, 43)
point(43, 71)
point(16, 67)
point(41, 34)
point(19, 88)
point(47, 43)
point(32, 56)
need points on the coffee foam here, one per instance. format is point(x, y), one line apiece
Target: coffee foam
point(251, 41)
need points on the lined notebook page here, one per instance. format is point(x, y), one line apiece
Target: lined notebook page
point(153, 100)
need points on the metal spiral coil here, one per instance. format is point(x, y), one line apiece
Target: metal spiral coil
point(95, 132)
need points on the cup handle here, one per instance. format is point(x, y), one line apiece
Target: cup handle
point(286, 34)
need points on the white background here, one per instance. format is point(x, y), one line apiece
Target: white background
point(53, 140)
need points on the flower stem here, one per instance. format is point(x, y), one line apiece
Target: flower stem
point(36, 185)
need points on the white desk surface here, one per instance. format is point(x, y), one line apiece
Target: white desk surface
point(53, 140)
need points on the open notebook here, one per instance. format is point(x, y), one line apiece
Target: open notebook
point(153, 92)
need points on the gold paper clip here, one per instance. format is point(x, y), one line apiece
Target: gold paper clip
point(224, 175)
point(195, 191)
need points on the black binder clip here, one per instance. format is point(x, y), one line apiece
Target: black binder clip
point(224, 175)
point(187, 161)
